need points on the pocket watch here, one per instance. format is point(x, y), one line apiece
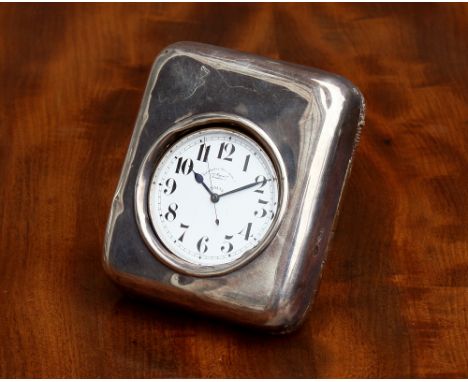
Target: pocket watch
point(231, 184)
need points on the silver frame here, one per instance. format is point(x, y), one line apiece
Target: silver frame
point(275, 290)
point(218, 121)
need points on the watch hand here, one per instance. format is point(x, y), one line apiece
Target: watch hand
point(243, 187)
point(214, 197)
point(199, 179)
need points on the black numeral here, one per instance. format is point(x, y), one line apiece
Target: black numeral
point(184, 166)
point(185, 227)
point(263, 181)
point(227, 246)
point(261, 214)
point(246, 162)
point(247, 231)
point(201, 244)
point(171, 186)
point(171, 212)
point(203, 152)
point(225, 151)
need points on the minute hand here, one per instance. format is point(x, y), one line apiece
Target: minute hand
point(243, 188)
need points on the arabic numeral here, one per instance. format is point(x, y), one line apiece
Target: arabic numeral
point(171, 212)
point(171, 186)
point(246, 231)
point(227, 246)
point(225, 151)
point(201, 244)
point(262, 181)
point(185, 227)
point(260, 214)
point(246, 163)
point(184, 166)
point(203, 152)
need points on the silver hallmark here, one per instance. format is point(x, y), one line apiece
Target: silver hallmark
point(231, 184)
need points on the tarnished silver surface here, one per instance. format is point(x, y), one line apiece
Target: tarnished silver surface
point(312, 117)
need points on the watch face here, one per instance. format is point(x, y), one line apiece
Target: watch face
point(213, 197)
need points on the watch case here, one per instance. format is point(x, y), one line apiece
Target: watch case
point(313, 119)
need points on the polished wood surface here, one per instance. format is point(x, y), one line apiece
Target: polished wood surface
point(393, 301)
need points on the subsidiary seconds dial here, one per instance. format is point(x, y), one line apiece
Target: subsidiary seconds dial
point(213, 197)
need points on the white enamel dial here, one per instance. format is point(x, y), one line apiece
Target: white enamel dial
point(213, 197)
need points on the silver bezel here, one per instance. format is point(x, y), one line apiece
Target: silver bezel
point(179, 130)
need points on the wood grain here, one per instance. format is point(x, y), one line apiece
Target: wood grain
point(393, 301)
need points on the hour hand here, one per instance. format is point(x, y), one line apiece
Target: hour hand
point(199, 179)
